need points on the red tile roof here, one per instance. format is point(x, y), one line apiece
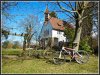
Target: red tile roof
point(59, 24)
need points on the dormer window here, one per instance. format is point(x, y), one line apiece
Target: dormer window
point(59, 24)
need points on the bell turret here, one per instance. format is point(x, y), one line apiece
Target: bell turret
point(46, 14)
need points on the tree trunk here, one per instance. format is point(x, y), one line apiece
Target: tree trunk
point(28, 44)
point(78, 31)
point(24, 45)
point(77, 38)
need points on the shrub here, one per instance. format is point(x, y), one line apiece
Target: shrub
point(84, 44)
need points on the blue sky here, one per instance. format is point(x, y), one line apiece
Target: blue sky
point(23, 9)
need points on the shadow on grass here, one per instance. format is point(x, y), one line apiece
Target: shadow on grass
point(19, 60)
point(51, 61)
point(14, 59)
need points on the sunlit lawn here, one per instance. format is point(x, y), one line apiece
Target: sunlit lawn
point(42, 66)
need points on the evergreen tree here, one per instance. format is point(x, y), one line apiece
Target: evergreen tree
point(53, 14)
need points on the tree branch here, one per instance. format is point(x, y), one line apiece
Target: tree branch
point(71, 6)
point(64, 12)
point(70, 16)
point(89, 15)
point(65, 9)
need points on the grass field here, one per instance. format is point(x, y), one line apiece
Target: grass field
point(11, 51)
point(35, 65)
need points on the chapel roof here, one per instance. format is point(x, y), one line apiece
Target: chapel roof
point(59, 24)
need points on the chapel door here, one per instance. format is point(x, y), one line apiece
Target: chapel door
point(55, 41)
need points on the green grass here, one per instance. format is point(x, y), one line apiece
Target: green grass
point(35, 65)
point(42, 66)
point(11, 51)
point(19, 51)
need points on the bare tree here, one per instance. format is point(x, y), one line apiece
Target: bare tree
point(5, 7)
point(77, 11)
point(28, 25)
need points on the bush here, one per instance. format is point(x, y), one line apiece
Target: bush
point(84, 45)
point(7, 44)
